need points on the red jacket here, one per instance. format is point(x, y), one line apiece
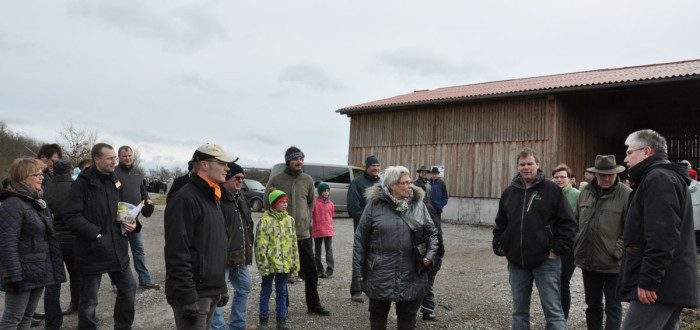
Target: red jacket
point(322, 215)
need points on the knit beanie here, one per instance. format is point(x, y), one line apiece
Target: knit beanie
point(233, 170)
point(276, 196)
point(61, 166)
point(371, 160)
point(322, 187)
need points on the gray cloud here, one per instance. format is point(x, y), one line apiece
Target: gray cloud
point(196, 80)
point(310, 75)
point(180, 29)
point(6, 44)
point(421, 64)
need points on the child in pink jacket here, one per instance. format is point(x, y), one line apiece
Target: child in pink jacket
point(322, 229)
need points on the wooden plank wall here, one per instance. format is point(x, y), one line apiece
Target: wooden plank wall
point(477, 143)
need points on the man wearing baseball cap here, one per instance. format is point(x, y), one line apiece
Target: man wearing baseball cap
point(195, 242)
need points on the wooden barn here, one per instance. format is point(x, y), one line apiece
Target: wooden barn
point(475, 131)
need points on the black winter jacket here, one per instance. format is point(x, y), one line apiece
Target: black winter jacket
point(55, 196)
point(91, 209)
point(532, 222)
point(240, 232)
point(195, 244)
point(356, 195)
point(659, 236)
point(29, 252)
point(383, 252)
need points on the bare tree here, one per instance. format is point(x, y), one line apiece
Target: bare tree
point(77, 142)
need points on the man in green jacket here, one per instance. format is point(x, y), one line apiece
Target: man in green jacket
point(299, 187)
point(601, 212)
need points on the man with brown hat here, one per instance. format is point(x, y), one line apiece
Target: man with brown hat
point(422, 182)
point(601, 212)
point(195, 242)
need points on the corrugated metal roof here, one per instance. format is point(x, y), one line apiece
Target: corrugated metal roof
point(567, 80)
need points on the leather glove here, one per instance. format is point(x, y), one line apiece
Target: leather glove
point(223, 300)
point(15, 287)
point(190, 312)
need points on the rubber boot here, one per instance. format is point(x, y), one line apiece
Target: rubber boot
point(263, 323)
point(282, 323)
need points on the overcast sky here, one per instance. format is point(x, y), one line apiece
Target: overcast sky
point(258, 76)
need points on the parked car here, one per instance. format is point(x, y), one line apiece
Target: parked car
point(338, 178)
point(253, 191)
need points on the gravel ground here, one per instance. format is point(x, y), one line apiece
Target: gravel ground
point(472, 289)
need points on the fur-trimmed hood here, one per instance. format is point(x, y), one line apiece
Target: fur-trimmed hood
point(375, 193)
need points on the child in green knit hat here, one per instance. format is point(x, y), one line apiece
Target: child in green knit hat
point(276, 255)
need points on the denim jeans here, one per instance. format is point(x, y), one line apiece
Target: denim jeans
point(124, 304)
point(207, 305)
point(546, 276)
point(652, 316)
point(136, 243)
point(328, 242)
point(428, 304)
point(567, 270)
point(19, 308)
point(280, 294)
point(596, 285)
point(240, 279)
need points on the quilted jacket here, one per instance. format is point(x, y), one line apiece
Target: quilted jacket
point(29, 251)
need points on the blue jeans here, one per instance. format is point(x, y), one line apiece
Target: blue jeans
point(653, 316)
point(124, 304)
point(546, 277)
point(596, 285)
point(136, 243)
point(240, 279)
point(280, 294)
point(19, 308)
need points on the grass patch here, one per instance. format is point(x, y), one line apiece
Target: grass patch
point(160, 200)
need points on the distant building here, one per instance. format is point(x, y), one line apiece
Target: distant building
point(475, 130)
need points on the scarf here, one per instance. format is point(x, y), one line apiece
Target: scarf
point(31, 193)
point(401, 203)
point(217, 189)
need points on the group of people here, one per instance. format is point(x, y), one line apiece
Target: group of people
point(49, 219)
point(633, 244)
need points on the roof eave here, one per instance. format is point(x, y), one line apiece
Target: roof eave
point(637, 83)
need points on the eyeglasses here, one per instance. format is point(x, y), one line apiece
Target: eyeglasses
point(214, 160)
point(405, 183)
point(630, 152)
point(239, 178)
point(37, 175)
point(560, 177)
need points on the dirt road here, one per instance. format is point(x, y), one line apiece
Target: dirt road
point(472, 289)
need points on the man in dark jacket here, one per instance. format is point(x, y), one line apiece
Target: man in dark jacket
point(659, 274)
point(195, 242)
point(101, 245)
point(134, 192)
point(438, 192)
point(534, 226)
point(240, 233)
point(54, 196)
point(356, 205)
point(49, 153)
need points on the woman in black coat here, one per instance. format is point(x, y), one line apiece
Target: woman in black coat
point(30, 255)
point(395, 242)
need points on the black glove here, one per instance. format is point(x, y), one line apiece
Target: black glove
point(190, 312)
point(223, 300)
point(14, 287)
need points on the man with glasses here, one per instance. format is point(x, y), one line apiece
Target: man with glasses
point(659, 273)
point(240, 231)
point(299, 187)
point(534, 226)
point(101, 245)
point(195, 242)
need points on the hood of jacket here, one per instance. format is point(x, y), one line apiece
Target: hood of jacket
point(519, 182)
point(658, 160)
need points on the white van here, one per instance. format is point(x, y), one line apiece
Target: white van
point(338, 178)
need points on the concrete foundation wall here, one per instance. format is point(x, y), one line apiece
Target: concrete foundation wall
point(471, 210)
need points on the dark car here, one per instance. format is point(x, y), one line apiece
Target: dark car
point(253, 191)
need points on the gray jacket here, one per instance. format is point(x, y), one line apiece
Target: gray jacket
point(384, 254)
